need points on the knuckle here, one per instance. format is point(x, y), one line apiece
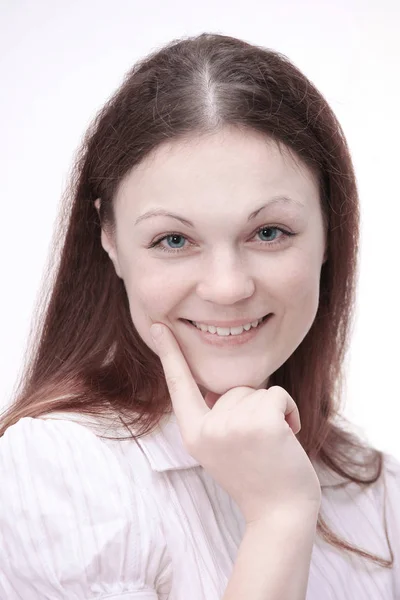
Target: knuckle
point(278, 393)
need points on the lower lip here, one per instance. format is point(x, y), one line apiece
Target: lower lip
point(228, 340)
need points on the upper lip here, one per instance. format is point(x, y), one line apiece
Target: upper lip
point(236, 323)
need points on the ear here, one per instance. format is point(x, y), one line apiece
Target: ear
point(108, 244)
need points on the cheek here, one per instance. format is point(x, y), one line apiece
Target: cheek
point(151, 292)
point(298, 286)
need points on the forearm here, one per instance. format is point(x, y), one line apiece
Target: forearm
point(273, 560)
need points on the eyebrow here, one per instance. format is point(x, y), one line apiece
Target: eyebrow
point(160, 212)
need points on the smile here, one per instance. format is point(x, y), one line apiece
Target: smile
point(225, 331)
point(228, 336)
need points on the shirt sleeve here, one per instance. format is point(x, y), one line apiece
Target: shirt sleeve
point(72, 523)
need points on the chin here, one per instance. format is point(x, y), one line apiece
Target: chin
point(221, 387)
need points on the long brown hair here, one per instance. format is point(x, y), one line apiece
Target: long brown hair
point(84, 354)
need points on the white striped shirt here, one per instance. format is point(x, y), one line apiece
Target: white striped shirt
point(83, 517)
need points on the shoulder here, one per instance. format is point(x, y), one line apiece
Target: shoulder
point(391, 465)
point(70, 517)
point(386, 490)
point(390, 499)
point(42, 452)
point(385, 495)
point(391, 487)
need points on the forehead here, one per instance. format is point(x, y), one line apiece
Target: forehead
point(229, 165)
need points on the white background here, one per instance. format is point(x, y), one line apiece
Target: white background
point(60, 61)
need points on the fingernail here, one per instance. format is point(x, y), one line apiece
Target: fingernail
point(156, 332)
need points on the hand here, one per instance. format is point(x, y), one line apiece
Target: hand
point(246, 441)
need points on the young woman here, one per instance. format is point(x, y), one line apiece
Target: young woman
point(214, 195)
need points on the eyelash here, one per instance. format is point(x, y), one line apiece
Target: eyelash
point(281, 239)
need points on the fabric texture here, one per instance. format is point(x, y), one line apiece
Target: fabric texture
point(83, 517)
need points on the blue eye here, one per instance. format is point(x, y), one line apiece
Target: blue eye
point(269, 229)
point(177, 237)
point(173, 237)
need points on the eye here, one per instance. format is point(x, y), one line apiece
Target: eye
point(175, 238)
point(269, 230)
point(178, 238)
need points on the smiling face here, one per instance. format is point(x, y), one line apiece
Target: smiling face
point(230, 264)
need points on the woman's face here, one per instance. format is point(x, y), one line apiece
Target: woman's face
point(228, 264)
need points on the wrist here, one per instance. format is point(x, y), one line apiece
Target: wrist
point(296, 516)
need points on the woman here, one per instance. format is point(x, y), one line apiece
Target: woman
point(213, 463)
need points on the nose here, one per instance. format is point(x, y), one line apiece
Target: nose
point(225, 280)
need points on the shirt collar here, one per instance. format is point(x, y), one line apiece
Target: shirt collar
point(164, 447)
point(165, 451)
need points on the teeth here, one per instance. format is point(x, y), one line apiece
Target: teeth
point(224, 331)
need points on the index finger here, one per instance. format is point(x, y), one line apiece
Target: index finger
point(187, 401)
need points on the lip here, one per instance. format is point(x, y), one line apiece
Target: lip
point(230, 340)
